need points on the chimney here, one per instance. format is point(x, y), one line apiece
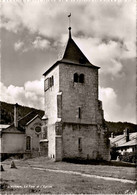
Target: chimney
point(126, 133)
point(16, 115)
point(112, 135)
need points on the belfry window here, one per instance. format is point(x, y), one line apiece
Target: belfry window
point(76, 78)
point(81, 78)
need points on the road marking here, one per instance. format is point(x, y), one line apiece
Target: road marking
point(86, 175)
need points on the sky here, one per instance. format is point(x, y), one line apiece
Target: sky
point(34, 35)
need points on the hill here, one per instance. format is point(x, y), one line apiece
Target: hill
point(118, 127)
point(7, 112)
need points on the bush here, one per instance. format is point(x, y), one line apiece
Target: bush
point(129, 157)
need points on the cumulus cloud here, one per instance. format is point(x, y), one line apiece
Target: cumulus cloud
point(105, 55)
point(105, 30)
point(18, 45)
point(40, 43)
point(112, 110)
point(110, 105)
point(98, 18)
point(31, 94)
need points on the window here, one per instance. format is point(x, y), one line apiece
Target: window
point(46, 84)
point(45, 132)
point(49, 82)
point(28, 143)
point(59, 105)
point(80, 144)
point(79, 112)
point(37, 129)
point(82, 60)
point(81, 78)
point(76, 78)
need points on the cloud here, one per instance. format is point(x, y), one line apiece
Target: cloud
point(40, 43)
point(110, 105)
point(31, 94)
point(105, 31)
point(105, 55)
point(49, 18)
point(18, 45)
point(112, 110)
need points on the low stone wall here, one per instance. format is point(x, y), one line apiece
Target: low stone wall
point(5, 156)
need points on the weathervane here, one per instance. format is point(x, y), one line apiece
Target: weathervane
point(69, 16)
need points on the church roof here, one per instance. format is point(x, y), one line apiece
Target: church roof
point(73, 56)
point(120, 141)
point(28, 118)
point(23, 121)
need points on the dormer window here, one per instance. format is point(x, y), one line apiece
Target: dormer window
point(76, 78)
point(81, 78)
point(82, 60)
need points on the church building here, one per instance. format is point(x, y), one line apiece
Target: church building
point(73, 120)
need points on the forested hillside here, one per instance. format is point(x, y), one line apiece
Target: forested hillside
point(118, 127)
point(7, 112)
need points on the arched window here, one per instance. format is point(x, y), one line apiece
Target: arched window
point(81, 78)
point(28, 143)
point(76, 78)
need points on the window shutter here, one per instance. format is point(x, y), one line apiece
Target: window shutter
point(46, 84)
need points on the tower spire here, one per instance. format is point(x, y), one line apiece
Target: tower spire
point(69, 16)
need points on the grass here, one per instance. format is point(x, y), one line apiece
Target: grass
point(25, 179)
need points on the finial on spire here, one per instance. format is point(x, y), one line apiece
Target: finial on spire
point(69, 16)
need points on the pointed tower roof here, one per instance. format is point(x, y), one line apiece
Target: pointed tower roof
point(73, 56)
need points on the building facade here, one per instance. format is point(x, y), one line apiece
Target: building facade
point(23, 136)
point(125, 143)
point(73, 114)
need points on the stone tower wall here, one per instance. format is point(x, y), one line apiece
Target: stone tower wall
point(50, 96)
point(92, 146)
point(75, 95)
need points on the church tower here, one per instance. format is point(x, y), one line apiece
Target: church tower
point(73, 114)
